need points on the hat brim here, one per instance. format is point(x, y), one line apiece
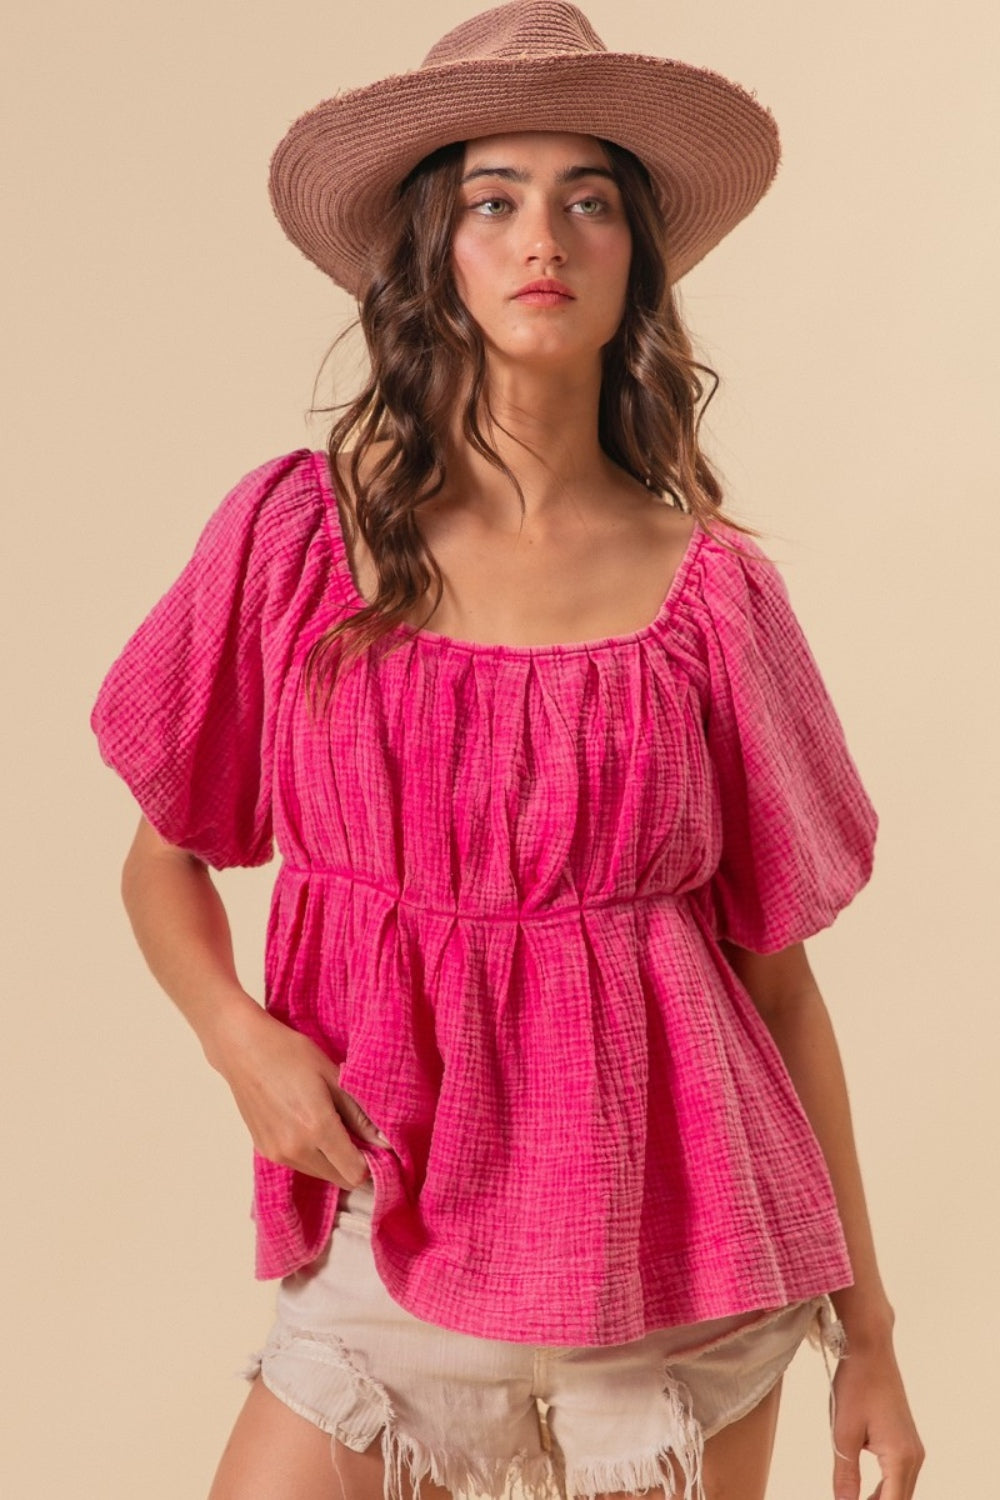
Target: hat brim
point(710, 147)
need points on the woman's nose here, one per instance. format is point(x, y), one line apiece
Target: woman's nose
point(542, 238)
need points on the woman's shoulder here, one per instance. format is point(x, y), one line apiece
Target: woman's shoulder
point(273, 512)
point(281, 489)
point(726, 538)
point(735, 597)
point(735, 562)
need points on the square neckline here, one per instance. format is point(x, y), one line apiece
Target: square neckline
point(418, 634)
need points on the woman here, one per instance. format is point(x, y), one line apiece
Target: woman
point(553, 1152)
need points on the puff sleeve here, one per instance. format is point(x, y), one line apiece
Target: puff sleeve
point(185, 714)
point(797, 826)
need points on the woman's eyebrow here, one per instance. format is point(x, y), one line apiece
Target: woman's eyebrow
point(515, 174)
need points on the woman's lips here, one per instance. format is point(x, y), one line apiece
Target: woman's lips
point(544, 299)
point(544, 293)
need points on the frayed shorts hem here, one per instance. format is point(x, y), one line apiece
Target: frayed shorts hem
point(672, 1464)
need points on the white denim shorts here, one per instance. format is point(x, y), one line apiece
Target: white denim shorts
point(486, 1417)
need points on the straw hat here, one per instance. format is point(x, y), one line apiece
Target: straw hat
point(711, 149)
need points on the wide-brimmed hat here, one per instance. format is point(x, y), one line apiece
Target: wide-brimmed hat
point(711, 149)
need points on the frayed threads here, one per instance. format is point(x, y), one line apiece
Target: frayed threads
point(523, 1476)
point(675, 1466)
point(827, 1333)
point(353, 1408)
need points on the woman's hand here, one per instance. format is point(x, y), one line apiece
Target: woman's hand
point(872, 1413)
point(286, 1088)
point(288, 1092)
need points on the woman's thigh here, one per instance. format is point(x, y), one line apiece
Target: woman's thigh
point(275, 1454)
point(737, 1459)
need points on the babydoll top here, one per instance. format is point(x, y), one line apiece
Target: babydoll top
point(505, 871)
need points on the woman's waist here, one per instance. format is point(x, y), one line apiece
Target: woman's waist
point(480, 901)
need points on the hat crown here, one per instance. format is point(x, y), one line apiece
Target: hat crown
point(524, 28)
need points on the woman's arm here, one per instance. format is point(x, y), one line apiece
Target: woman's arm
point(872, 1409)
point(285, 1087)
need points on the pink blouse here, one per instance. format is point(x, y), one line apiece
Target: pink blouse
point(504, 873)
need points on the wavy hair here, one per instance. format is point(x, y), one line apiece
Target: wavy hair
point(424, 346)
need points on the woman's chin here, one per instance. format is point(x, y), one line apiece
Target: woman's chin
point(546, 356)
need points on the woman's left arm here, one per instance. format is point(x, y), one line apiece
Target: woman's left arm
point(872, 1411)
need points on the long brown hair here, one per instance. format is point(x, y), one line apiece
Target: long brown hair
point(424, 346)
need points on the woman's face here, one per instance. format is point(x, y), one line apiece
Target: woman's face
point(540, 207)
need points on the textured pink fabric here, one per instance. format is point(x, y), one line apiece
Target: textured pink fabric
point(504, 873)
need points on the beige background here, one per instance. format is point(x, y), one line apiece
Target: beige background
point(164, 339)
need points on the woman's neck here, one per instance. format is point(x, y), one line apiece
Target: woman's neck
point(545, 428)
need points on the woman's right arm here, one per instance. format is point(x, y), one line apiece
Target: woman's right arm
point(285, 1087)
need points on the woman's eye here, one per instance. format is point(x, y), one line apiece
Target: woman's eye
point(490, 208)
point(590, 208)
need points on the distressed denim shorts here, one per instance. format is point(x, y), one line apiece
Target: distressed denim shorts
point(485, 1417)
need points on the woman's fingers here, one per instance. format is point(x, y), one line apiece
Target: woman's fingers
point(310, 1137)
point(319, 1141)
point(847, 1464)
point(899, 1474)
point(336, 1157)
point(289, 1095)
point(356, 1120)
